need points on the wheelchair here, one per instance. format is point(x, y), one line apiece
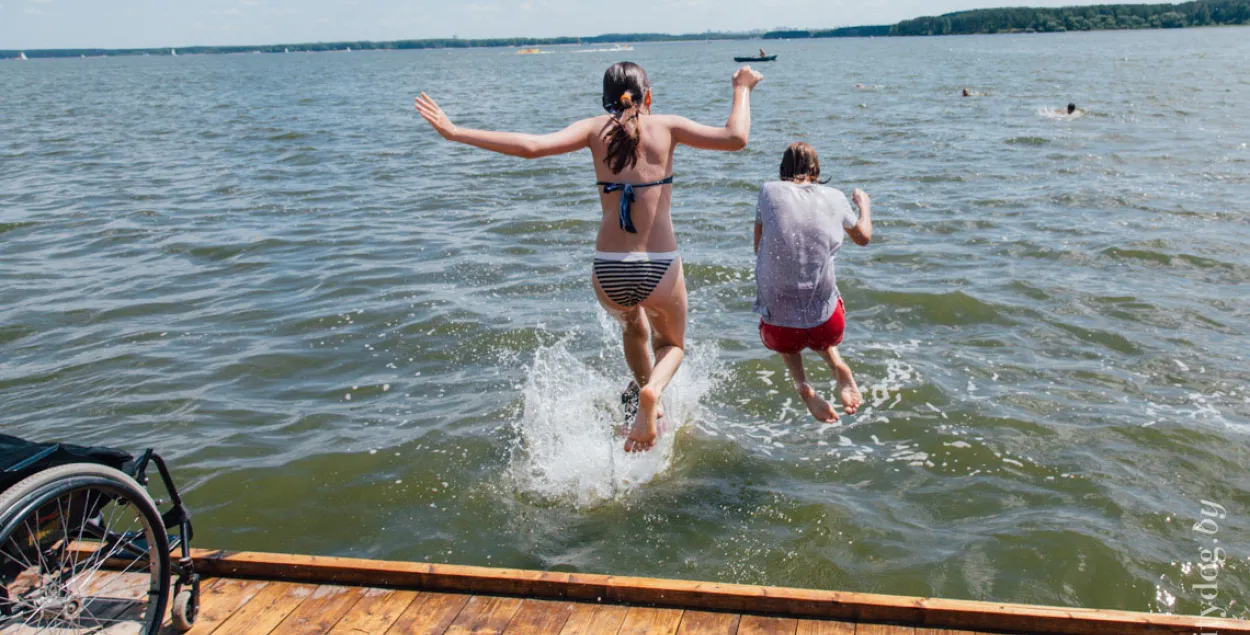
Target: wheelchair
point(84, 548)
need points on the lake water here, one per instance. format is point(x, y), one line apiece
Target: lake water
point(353, 338)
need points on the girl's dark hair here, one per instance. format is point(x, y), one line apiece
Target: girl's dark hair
point(800, 162)
point(625, 86)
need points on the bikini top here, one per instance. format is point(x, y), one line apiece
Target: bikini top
point(627, 198)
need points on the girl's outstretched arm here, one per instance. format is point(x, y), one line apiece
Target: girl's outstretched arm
point(528, 146)
point(733, 136)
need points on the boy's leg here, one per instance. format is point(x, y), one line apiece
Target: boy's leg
point(815, 403)
point(847, 390)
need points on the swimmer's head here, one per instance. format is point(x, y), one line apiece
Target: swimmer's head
point(625, 86)
point(800, 164)
point(1071, 108)
point(626, 94)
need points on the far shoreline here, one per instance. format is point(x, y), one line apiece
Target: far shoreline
point(1004, 21)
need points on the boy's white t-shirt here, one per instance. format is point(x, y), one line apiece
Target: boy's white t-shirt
point(803, 228)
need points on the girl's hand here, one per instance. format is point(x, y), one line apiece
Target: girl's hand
point(746, 78)
point(433, 114)
point(860, 198)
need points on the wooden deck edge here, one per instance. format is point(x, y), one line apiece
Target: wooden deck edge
point(859, 607)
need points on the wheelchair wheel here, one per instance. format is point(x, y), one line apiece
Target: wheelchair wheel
point(82, 549)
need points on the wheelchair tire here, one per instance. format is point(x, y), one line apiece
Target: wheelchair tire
point(184, 610)
point(47, 586)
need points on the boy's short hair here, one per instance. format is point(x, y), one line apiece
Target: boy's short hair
point(800, 162)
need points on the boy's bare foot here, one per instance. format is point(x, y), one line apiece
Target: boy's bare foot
point(851, 397)
point(642, 435)
point(817, 404)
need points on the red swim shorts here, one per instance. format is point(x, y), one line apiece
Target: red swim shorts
point(788, 340)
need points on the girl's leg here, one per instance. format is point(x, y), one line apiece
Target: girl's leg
point(847, 390)
point(666, 312)
point(635, 331)
point(815, 403)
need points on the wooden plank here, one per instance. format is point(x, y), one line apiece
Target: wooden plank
point(484, 615)
point(376, 611)
point(116, 605)
point(756, 625)
point(595, 619)
point(221, 600)
point(131, 591)
point(646, 621)
point(270, 606)
point(884, 629)
point(539, 617)
point(129, 586)
point(863, 607)
point(704, 623)
point(429, 614)
point(320, 611)
point(825, 627)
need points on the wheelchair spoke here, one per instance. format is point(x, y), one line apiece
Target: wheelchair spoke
point(86, 557)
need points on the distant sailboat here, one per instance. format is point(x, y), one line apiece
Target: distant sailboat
point(173, 53)
point(285, 50)
point(349, 49)
point(22, 56)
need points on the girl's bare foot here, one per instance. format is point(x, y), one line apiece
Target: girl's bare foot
point(642, 435)
point(851, 397)
point(816, 404)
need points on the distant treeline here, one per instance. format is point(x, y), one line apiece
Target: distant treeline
point(847, 31)
point(1107, 16)
point(1019, 20)
point(391, 46)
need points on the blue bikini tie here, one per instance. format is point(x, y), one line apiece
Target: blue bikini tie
point(627, 199)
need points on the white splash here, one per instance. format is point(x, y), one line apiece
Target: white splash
point(568, 449)
point(1058, 114)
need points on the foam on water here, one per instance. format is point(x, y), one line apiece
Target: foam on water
point(1058, 114)
point(567, 446)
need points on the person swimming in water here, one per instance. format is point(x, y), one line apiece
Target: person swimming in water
point(799, 228)
point(1069, 111)
point(637, 271)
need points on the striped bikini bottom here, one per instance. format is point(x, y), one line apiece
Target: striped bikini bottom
point(628, 278)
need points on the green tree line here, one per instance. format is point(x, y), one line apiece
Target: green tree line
point(1013, 20)
point(1088, 18)
point(442, 43)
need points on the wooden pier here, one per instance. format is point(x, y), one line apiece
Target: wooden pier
point(272, 593)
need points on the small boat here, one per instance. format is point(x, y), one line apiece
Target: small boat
point(529, 52)
point(766, 58)
point(22, 56)
point(622, 47)
point(173, 53)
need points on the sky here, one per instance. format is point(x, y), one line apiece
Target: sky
point(35, 24)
